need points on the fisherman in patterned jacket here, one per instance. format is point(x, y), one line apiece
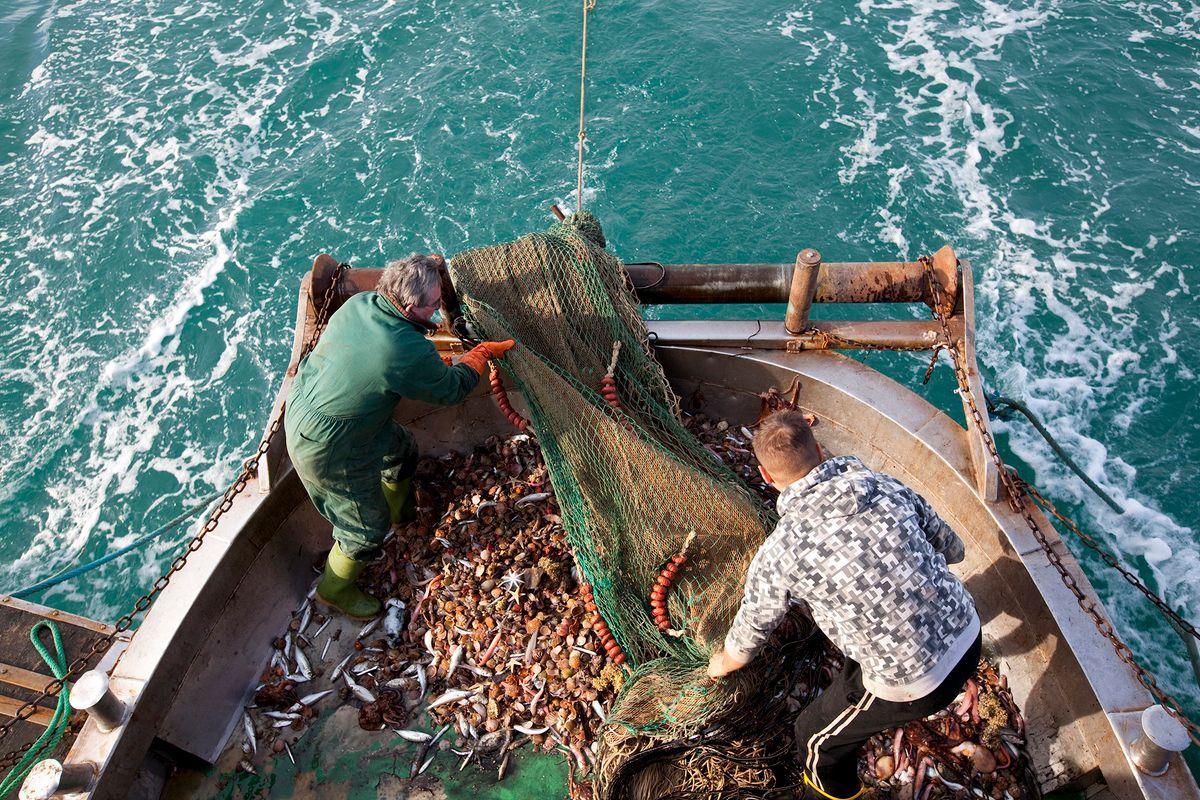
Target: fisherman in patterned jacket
point(868, 556)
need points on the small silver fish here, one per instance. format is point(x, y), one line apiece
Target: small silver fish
point(480, 671)
point(366, 629)
point(306, 616)
point(296, 678)
point(325, 649)
point(422, 682)
point(291, 757)
point(536, 497)
point(279, 715)
point(530, 731)
point(420, 737)
point(324, 625)
point(429, 643)
point(425, 766)
point(361, 692)
point(309, 699)
point(441, 732)
point(302, 664)
point(452, 696)
point(455, 658)
point(283, 723)
point(337, 671)
point(248, 727)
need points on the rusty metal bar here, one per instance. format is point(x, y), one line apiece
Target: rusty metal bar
point(837, 282)
point(803, 288)
point(772, 335)
point(844, 282)
point(9, 708)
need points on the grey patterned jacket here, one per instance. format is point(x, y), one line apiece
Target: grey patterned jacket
point(868, 555)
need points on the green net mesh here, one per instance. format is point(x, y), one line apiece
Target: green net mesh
point(632, 483)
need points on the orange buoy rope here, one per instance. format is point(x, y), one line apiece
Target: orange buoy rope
point(662, 585)
point(501, 395)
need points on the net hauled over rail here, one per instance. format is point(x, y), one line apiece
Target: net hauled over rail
point(632, 482)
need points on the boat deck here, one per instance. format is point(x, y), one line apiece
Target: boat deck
point(335, 758)
point(23, 673)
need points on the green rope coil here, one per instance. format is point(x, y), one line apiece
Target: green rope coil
point(57, 662)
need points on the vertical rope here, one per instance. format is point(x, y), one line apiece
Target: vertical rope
point(588, 5)
point(57, 662)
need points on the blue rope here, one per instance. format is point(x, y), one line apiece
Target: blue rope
point(67, 575)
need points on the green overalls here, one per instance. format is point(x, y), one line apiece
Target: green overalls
point(340, 433)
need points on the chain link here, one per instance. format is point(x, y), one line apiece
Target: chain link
point(1017, 501)
point(1091, 542)
point(103, 643)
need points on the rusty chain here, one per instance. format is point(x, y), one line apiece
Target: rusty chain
point(249, 471)
point(1108, 558)
point(1017, 501)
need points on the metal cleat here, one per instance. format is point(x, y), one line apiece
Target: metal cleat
point(91, 694)
point(52, 778)
point(1162, 736)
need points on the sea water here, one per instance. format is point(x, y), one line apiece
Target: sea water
point(168, 171)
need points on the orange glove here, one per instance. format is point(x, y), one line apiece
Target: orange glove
point(477, 357)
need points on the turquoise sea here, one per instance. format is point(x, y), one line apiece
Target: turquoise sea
point(168, 171)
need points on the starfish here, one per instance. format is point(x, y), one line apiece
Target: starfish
point(513, 582)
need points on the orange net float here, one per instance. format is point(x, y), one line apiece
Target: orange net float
point(501, 395)
point(662, 585)
point(607, 640)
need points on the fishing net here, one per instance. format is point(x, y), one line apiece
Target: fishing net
point(631, 481)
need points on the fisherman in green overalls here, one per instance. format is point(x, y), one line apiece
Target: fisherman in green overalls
point(354, 460)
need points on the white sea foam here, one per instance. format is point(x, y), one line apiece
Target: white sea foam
point(1034, 269)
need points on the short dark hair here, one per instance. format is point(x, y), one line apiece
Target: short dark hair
point(785, 440)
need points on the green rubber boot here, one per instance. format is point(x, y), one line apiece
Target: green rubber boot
point(338, 590)
point(400, 500)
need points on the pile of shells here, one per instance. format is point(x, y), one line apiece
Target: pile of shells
point(485, 628)
point(973, 748)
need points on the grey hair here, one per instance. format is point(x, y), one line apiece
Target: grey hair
point(411, 281)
